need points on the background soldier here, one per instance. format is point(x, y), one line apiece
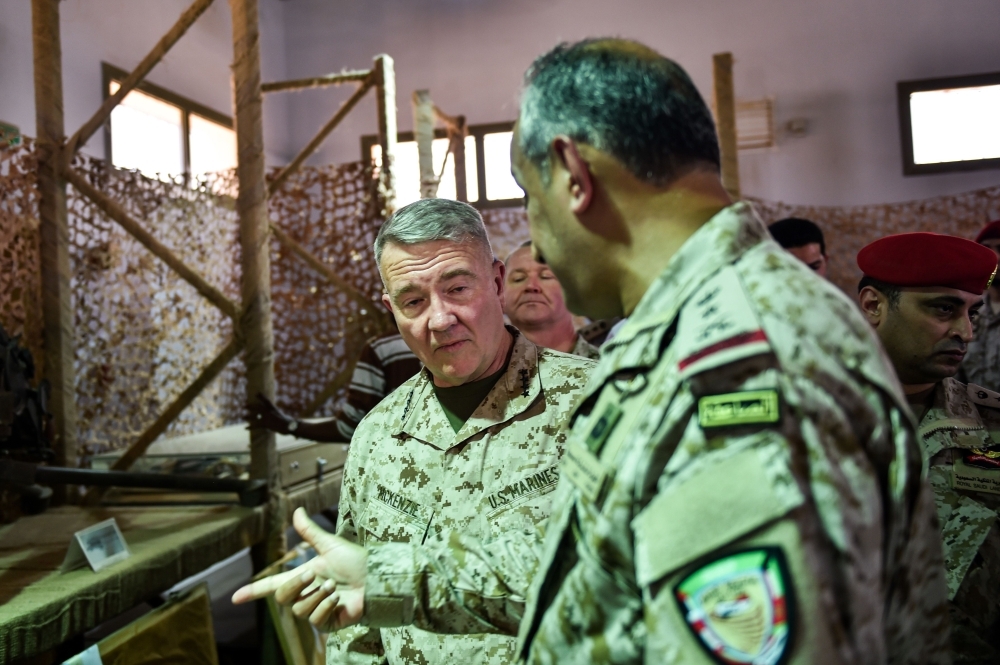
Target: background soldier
point(742, 481)
point(804, 240)
point(385, 363)
point(923, 292)
point(982, 363)
point(471, 444)
point(535, 305)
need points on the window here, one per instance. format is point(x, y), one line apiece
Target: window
point(489, 183)
point(950, 124)
point(164, 135)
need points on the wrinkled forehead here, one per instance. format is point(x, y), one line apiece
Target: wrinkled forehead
point(426, 262)
point(521, 259)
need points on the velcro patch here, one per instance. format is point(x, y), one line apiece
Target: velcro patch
point(749, 407)
point(740, 606)
point(975, 477)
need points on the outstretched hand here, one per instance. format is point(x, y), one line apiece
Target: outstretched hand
point(263, 413)
point(329, 590)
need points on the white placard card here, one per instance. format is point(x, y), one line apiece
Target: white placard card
point(100, 545)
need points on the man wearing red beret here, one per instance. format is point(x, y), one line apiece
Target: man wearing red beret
point(923, 292)
point(982, 362)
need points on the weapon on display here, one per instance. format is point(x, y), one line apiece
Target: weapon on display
point(24, 447)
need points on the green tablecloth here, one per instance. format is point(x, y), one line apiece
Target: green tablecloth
point(41, 607)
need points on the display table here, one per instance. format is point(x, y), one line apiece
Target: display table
point(41, 607)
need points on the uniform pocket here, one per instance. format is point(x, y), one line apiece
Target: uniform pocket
point(402, 522)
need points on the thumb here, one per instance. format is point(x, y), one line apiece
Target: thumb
point(313, 533)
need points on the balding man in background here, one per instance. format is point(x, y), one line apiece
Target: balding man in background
point(535, 306)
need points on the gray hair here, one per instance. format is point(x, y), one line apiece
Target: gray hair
point(433, 219)
point(622, 98)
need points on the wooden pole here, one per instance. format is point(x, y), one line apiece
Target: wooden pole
point(251, 207)
point(189, 16)
point(458, 150)
point(174, 409)
point(385, 81)
point(159, 426)
point(357, 76)
point(725, 119)
point(115, 211)
point(342, 378)
point(423, 131)
point(317, 140)
point(321, 267)
point(57, 309)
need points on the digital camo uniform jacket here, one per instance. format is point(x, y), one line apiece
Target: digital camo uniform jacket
point(410, 478)
point(746, 486)
point(961, 437)
point(982, 363)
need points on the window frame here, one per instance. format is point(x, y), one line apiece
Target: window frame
point(187, 106)
point(903, 91)
point(477, 131)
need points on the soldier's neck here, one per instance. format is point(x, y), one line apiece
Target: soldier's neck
point(660, 223)
point(561, 337)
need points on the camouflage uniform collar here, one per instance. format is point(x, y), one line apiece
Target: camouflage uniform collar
point(718, 243)
point(514, 392)
point(951, 410)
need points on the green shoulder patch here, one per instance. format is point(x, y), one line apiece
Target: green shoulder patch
point(740, 606)
point(750, 407)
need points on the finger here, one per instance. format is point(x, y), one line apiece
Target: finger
point(323, 614)
point(312, 533)
point(263, 588)
point(307, 605)
point(293, 588)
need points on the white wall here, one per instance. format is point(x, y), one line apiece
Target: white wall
point(833, 62)
point(121, 33)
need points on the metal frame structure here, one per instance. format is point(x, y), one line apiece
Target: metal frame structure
point(252, 316)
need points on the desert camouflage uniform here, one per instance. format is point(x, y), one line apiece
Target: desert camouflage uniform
point(585, 349)
point(982, 363)
point(834, 482)
point(958, 432)
point(410, 478)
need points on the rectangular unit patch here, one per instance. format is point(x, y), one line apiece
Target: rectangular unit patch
point(585, 471)
point(967, 477)
point(750, 407)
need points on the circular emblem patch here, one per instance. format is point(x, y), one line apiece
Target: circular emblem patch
point(740, 605)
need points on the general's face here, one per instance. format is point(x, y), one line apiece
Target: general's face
point(557, 239)
point(447, 299)
point(927, 334)
point(534, 297)
point(812, 256)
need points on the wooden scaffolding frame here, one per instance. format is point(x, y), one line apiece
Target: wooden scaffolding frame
point(252, 315)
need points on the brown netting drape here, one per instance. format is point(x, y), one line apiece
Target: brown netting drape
point(848, 229)
point(142, 334)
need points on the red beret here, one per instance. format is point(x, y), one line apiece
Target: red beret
point(929, 259)
point(991, 230)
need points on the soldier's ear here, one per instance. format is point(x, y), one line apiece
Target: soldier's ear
point(874, 305)
point(580, 183)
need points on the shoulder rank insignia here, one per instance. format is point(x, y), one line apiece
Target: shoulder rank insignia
point(983, 397)
point(740, 607)
point(750, 407)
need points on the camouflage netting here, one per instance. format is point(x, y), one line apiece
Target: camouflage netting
point(143, 334)
point(848, 229)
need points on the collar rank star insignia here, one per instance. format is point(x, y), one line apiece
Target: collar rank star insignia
point(740, 606)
